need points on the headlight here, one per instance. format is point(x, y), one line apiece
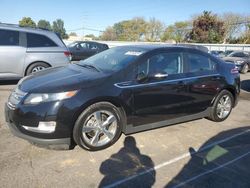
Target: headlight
point(36, 98)
point(239, 62)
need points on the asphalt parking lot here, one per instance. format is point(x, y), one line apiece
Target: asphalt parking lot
point(199, 153)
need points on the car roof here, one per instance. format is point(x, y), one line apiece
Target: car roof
point(150, 47)
point(16, 27)
point(87, 41)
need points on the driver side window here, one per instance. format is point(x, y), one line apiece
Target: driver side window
point(168, 63)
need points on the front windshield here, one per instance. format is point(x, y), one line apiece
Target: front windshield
point(113, 59)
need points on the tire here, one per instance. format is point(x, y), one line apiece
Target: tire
point(245, 69)
point(35, 67)
point(222, 109)
point(89, 131)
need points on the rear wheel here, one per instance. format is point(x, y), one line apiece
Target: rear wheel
point(222, 106)
point(98, 127)
point(245, 69)
point(36, 67)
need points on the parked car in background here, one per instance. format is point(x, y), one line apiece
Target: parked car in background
point(227, 52)
point(241, 59)
point(121, 90)
point(81, 50)
point(217, 53)
point(26, 50)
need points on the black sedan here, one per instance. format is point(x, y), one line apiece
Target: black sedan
point(81, 50)
point(121, 90)
point(241, 60)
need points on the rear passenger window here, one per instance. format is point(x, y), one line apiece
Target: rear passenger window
point(199, 63)
point(9, 38)
point(36, 40)
point(84, 45)
point(93, 46)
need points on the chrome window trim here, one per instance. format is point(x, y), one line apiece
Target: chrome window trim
point(155, 83)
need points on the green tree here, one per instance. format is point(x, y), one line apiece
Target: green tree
point(154, 30)
point(177, 32)
point(246, 36)
point(27, 22)
point(44, 24)
point(58, 27)
point(127, 30)
point(207, 28)
point(92, 36)
point(73, 34)
point(231, 25)
point(109, 34)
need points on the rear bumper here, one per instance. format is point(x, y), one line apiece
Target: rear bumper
point(61, 143)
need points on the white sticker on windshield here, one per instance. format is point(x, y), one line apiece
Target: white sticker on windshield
point(133, 53)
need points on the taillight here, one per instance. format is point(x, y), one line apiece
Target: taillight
point(235, 70)
point(68, 54)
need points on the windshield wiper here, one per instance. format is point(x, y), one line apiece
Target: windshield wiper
point(88, 66)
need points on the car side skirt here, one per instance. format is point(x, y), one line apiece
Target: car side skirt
point(129, 129)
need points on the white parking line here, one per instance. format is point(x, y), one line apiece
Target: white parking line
point(212, 170)
point(185, 155)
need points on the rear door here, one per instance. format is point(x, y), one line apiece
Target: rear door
point(83, 51)
point(12, 54)
point(162, 95)
point(94, 48)
point(202, 80)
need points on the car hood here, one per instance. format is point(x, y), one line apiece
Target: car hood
point(68, 78)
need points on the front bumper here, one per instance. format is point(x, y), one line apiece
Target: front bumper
point(60, 139)
point(61, 143)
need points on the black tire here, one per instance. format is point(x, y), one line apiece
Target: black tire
point(78, 134)
point(33, 66)
point(245, 69)
point(214, 113)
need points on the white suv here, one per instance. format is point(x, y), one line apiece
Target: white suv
point(25, 50)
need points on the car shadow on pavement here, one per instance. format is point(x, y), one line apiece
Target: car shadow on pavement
point(121, 167)
point(245, 85)
point(224, 164)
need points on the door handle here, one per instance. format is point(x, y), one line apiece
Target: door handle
point(159, 75)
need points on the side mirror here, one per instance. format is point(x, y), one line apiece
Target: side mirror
point(141, 76)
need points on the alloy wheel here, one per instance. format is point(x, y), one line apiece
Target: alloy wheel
point(224, 106)
point(37, 68)
point(99, 128)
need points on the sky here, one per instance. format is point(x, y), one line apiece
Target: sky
point(98, 15)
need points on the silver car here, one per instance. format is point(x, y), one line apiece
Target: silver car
point(25, 50)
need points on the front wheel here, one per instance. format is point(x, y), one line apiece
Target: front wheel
point(222, 106)
point(98, 127)
point(36, 67)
